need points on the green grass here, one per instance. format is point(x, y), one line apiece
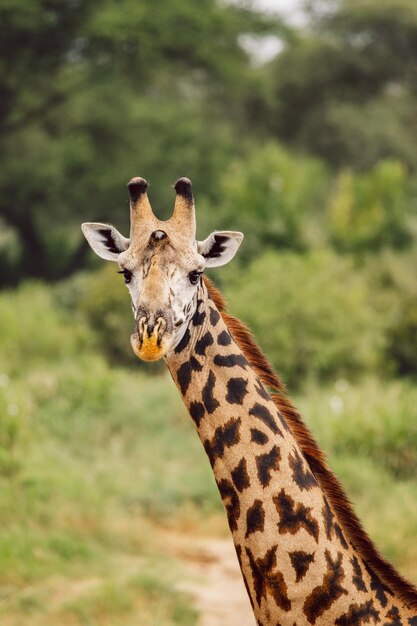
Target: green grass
point(96, 460)
point(92, 460)
point(143, 595)
point(375, 419)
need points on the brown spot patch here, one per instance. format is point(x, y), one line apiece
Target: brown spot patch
point(301, 562)
point(230, 360)
point(203, 343)
point(255, 518)
point(197, 412)
point(184, 373)
point(230, 501)
point(224, 338)
point(236, 390)
point(209, 400)
point(198, 318)
point(358, 614)
point(394, 616)
point(323, 596)
point(378, 586)
point(264, 414)
point(224, 437)
point(331, 526)
point(357, 577)
point(261, 390)
point(258, 436)
point(184, 342)
point(266, 464)
point(240, 475)
point(301, 472)
point(267, 581)
point(293, 516)
point(214, 316)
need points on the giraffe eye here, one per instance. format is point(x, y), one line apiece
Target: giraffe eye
point(194, 277)
point(127, 275)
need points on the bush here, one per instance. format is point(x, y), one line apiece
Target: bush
point(393, 280)
point(311, 313)
point(35, 335)
point(373, 419)
point(33, 329)
point(274, 198)
point(370, 211)
point(402, 340)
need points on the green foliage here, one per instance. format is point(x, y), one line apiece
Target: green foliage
point(370, 211)
point(311, 313)
point(273, 197)
point(359, 135)
point(402, 339)
point(147, 596)
point(395, 296)
point(35, 330)
point(377, 421)
point(114, 87)
point(107, 89)
point(136, 83)
point(14, 411)
point(344, 88)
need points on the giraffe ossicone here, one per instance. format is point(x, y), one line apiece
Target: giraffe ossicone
point(304, 555)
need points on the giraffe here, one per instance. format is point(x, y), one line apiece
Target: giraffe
point(304, 556)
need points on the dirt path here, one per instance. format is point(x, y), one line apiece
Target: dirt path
point(210, 574)
point(214, 579)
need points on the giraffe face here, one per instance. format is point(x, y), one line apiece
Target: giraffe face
point(162, 263)
point(163, 283)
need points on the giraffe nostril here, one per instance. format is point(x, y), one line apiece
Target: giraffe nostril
point(141, 325)
point(149, 326)
point(178, 323)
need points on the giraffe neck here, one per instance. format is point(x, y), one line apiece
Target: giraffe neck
point(297, 564)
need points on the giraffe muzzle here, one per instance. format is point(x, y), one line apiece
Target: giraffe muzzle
point(147, 340)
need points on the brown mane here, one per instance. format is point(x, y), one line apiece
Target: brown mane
point(315, 457)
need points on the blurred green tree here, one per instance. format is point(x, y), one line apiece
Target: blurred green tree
point(94, 92)
point(276, 198)
point(392, 278)
point(312, 314)
point(402, 339)
point(370, 211)
point(345, 88)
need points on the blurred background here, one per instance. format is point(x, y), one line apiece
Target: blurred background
point(297, 124)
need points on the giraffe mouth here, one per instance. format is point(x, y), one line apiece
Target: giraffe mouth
point(149, 349)
point(149, 342)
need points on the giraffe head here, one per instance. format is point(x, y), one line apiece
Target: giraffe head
point(161, 263)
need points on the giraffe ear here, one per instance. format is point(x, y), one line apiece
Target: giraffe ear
point(105, 240)
point(220, 247)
